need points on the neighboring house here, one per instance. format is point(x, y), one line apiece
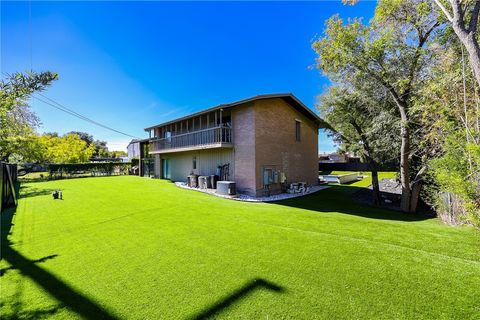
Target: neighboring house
point(337, 158)
point(133, 149)
point(138, 148)
point(267, 141)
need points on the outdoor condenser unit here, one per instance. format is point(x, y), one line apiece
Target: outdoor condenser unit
point(226, 187)
point(204, 182)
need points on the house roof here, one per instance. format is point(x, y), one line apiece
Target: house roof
point(138, 141)
point(289, 97)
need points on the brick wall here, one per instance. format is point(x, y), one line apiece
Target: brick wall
point(276, 144)
point(243, 119)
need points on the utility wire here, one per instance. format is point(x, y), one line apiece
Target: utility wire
point(71, 112)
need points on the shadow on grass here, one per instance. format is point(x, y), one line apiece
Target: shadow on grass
point(4, 270)
point(58, 289)
point(28, 191)
point(15, 308)
point(338, 198)
point(236, 296)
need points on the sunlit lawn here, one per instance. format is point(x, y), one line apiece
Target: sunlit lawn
point(138, 248)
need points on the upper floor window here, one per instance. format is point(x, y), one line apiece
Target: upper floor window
point(297, 129)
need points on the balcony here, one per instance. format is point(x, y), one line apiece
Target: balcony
point(216, 137)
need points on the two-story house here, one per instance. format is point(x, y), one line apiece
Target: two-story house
point(267, 140)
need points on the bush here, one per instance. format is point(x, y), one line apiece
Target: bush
point(134, 162)
point(57, 171)
point(457, 173)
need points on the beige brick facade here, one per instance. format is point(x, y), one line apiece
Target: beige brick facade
point(243, 119)
point(265, 146)
point(265, 138)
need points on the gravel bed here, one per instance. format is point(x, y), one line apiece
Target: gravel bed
point(389, 185)
point(391, 194)
point(247, 198)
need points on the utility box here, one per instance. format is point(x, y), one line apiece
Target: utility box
point(213, 181)
point(226, 188)
point(204, 182)
point(192, 181)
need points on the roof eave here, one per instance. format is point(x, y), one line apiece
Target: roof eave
point(314, 116)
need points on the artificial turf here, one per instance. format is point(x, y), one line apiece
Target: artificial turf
point(139, 248)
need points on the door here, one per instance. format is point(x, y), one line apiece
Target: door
point(166, 169)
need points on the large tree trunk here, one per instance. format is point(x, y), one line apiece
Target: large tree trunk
point(371, 162)
point(404, 160)
point(473, 50)
point(471, 44)
point(416, 187)
point(466, 32)
point(375, 188)
point(415, 196)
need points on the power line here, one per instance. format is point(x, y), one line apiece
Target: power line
point(71, 112)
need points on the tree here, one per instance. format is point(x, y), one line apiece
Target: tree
point(17, 121)
point(117, 154)
point(101, 149)
point(359, 123)
point(88, 138)
point(448, 111)
point(69, 148)
point(465, 29)
point(391, 53)
point(463, 16)
point(17, 132)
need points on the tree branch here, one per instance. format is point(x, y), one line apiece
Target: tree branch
point(474, 19)
point(422, 39)
point(445, 11)
point(458, 15)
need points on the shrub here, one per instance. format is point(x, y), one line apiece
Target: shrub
point(134, 162)
point(57, 171)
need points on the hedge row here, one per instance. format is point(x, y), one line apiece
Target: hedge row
point(93, 168)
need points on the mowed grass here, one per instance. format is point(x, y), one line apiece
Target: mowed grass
point(137, 248)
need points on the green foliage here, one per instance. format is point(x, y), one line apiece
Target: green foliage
point(391, 55)
point(95, 168)
point(18, 87)
point(100, 147)
point(69, 148)
point(118, 154)
point(17, 121)
point(387, 51)
point(88, 138)
point(448, 115)
point(135, 161)
point(457, 172)
point(73, 147)
point(361, 124)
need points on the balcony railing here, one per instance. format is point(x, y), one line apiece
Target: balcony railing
point(197, 139)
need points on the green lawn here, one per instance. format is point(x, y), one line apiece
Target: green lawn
point(137, 248)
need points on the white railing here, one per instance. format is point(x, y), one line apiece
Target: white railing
point(203, 137)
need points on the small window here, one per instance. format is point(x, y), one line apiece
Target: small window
point(194, 163)
point(297, 130)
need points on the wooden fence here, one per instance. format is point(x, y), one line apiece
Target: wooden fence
point(8, 176)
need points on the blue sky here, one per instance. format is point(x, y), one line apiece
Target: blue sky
point(130, 65)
